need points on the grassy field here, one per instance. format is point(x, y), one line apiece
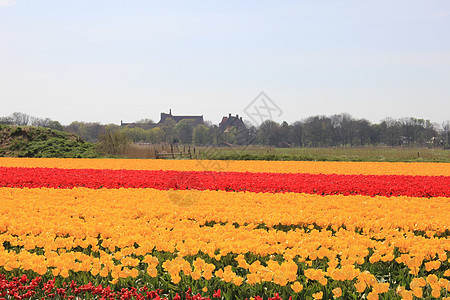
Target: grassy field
point(271, 153)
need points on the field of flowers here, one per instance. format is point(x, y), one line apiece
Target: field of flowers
point(152, 229)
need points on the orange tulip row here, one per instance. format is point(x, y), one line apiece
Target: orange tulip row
point(312, 167)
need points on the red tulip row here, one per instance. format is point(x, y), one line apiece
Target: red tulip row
point(322, 184)
point(25, 288)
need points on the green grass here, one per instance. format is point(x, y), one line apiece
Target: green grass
point(30, 141)
point(389, 154)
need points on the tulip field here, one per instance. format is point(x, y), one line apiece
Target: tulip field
point(191, 229)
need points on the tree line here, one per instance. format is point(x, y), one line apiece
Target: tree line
point(341, 130)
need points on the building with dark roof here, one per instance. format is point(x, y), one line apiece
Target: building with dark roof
point(196, 120)
point(232, 121)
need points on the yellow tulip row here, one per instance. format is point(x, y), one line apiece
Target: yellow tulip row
point(281, 274)
point(60, 262)
point(367, 168)
point(51, 225)
point(96, 211)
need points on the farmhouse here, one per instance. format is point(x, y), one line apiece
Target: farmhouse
point(196, 120)
point(232, 121)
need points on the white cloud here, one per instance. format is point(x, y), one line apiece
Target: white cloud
point(6, 3)
point(442, 14)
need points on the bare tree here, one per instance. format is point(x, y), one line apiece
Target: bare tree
point(21, 119)
point(446, 131)
point(297, 133)
point(390, 129)
point(112, 142)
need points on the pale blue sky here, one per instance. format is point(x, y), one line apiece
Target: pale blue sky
point(113, 60)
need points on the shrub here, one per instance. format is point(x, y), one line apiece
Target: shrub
point(112, 142)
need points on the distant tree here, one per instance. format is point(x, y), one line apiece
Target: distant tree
point(215, 134)
point(251, 135)
point(201, 135)
point(411, 129)
point(297, 134)
point(363, 131)
point(146, 123)
point(135, 134)
point(48, 123)
point(208, 123)
point(283, 134)
point(170, 133)
point(184, 130)
point(348, 129)
point(268, 133)
point(390, 131)
point(430, 131)
point(87, 131)
point(416, 131)
point(156, 135)
point(112, 141)
point(336, 130)
point(446, 131)
point(21, 119)
point(5, 121)
point(317, 131)
point(55, 125)
point(38, 122)
point(230, 136)
point(376, 134)
point(342, 129)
